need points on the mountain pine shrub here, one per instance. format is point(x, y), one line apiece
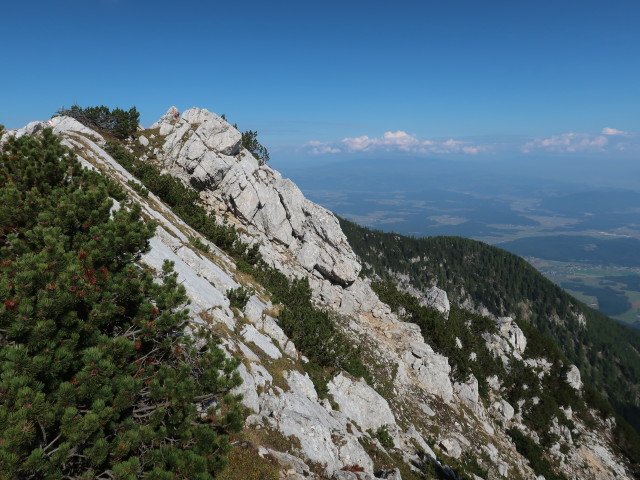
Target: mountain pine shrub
point(117, 122)
point(251, 143)
point(97, 378)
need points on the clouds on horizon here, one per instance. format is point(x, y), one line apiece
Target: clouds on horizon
point(567, 143)
point(399, 141)
point(394, 141)
point(613, 131)
point(609, 139)
point(320, 148)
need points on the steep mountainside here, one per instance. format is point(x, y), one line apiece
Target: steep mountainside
point(342, 378)
point(493, 281)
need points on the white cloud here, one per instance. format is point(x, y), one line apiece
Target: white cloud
point(320, 148)
point(568, 142)
point(389, 141)
point(399, 139)
point(405, 142)
point(613, 131)
point(359, 144)
point(609, 140)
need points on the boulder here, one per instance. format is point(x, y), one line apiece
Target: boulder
point(251, 334)
point(451, 447)
point(437, 298)
point(513, 333)
point(573, 378)
point(467, 392)
point(360, 403)
point(431, 370)
point(505, 409)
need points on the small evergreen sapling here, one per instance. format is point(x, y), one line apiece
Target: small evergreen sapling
point(251, 143)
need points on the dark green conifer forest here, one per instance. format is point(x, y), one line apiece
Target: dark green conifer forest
point(97, 376)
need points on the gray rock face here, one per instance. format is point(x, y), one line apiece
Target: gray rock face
point(301, 384)
point(573, 378)
point(210, 130)
point(287, 460)
point(59, 125)
point(204, 150)
point(437, 298)
point(562, 431)
point(541, 366)
point(247, 389)
point(513, 333)
point(510, 341)
point(431, 369)
point(323, 435)
point(360, 403)
point(468, 393)
point(505, 409)
point(451, 447)
point(251, 334)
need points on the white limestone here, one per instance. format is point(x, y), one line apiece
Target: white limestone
point(573, 378)
point(199, 148)
point(264, 343)
point(360, 403)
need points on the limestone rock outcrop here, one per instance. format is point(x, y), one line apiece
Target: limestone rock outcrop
point(437, 298)
point(509, 341)
point(512, 332)
point(205, 151)
point(323, 434)
point(430, 369)
point(361, 403)
point(573, 378)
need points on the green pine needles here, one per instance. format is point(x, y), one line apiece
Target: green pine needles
point(251, 143)
point(117, 122)
point(97, 377)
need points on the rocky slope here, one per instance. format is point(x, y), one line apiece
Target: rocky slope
point(414, 414)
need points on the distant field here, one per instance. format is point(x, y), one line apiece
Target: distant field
point(615, 291)
point(579, 248)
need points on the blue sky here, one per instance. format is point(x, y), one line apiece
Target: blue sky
point(340, 78)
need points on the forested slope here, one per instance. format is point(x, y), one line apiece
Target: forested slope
point(470, 271)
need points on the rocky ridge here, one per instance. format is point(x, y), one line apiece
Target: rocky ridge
point(415, 400)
